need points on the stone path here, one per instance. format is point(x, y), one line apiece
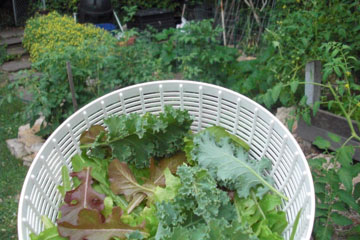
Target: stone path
point(16, 50)
point(17, 65)
point(12, 38)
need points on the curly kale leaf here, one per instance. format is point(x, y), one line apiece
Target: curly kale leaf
point(195, 208)
point(135, 138)
point(230, 163)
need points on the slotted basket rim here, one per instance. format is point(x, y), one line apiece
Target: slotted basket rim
point(309, 217)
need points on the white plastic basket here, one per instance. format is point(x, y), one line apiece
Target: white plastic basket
point(209, 105)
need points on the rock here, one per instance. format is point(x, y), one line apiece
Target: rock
point(28, 159)
point(27, 136)
point(16, 148)
point(37, 125)
point(27, 145)
point(245, 58)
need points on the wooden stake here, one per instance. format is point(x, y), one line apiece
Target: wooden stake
point(71, 83)
point(313, 75)
point(223, 21)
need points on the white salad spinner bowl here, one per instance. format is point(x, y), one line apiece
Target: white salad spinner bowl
point(208, 105)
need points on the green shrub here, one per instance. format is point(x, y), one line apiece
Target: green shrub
point(197, 53)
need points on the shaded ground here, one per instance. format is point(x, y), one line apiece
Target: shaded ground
point(12, 171)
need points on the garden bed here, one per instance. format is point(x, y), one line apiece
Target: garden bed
point(323, 123)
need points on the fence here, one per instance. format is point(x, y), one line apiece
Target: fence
point(243, 21)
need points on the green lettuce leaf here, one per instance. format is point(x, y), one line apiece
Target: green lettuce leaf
point(262, 215)
point(147, 216)
point(50, 231)
point(170, 191)
point(229, 163)
point(48, 234)
point(66, 182)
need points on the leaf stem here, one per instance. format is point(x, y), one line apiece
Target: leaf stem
point(257, 204)
point(259, 177)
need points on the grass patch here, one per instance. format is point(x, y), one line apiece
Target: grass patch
point(12, 172)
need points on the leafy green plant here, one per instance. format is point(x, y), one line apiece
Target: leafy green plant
point(334, 190)
point(197, 53)
point(98, 63)
point(333, 178)
point(298, 31)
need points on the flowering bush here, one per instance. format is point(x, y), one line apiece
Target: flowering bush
point(53, 33)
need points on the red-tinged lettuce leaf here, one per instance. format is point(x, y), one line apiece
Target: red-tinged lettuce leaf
point(82, 197)
point(122, 180)
point(92, 227)
point(90, 135)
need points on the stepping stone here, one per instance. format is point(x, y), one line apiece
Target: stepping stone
point(10, 33)
point(14, 76)
point(16, 65)
point(15, 50)
point(11, 41)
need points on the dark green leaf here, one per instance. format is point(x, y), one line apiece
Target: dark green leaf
point(321, 143)
point(334, 137)
point(357, 191)
point(347, 198)
point(316, 162)
point(275, 92)
point(340, 206)
point(294, 85)
point(340, 219)
point(345, 175)
point(316, 107)
point(344, 155)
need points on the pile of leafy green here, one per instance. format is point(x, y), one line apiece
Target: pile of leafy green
point(150, 177)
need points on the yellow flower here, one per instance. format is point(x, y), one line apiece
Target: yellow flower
point(348, 73)
point(347, 86)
